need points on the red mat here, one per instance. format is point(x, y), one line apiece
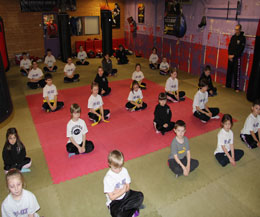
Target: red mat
point(131, 132)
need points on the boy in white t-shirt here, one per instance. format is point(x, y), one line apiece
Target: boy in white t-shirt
point(249, 133)
point(25, 65)
point(69, 71)
point(153, 59)
point(50, 62)
point(164, 67)
point(121, 201)
point(35, 77)
point(82, 56)
point(50, 99)
point(200, 108)
point(76, 132)
point(138, 75)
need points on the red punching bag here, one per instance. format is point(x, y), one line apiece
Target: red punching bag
point(3, 49)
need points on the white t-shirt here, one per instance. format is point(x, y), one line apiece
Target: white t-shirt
point(114, 181)
point(153, 58)
point(49, 60)
point(28, 204)
point(224, 138)
point(171, 85)
point(135, 95)
point(82, 55)
point(164, 66)
point(251, 124)
point(138, 76)
point(76, 130)
point(95, 102)
point(69, 69)
point(25, 63)
point(200, 99)
point(50, 91)
point(35, 74)
point(258, 120)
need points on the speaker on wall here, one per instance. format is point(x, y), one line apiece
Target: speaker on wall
point(106, 26)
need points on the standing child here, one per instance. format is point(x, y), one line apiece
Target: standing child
point(153, 59)
point(95, 105)
point(163, 115)
point(107, 66)
point(82, 56)
point(69, 71)
point(14, 153)
point(164, 67)
point(50, 62)
point(25, 65)
point(35, 77)
point(249, 133)
point(121, 201)
point(225, 152)
point(172, 88)
point(121, 56)
point(19, 201)
point(76, 132)
point(212, 91)
point(138, 75)
point(50, 103)
point(200, 108)
point(180, 161)
point(135, 98)
point(102, 81)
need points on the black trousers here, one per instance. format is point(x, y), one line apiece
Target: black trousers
point(223, 159)
point(214, 90)
point(129, 105)
point(122, 61)
point(19, 166)
point(107, 91)
point(177, 169)
point(113, 72)
point(142, 85)
point(95, 117)
point(24, 72)
point(47, 70)
point(75, 78)
point(35, 85)
point(128, 205)
point(203, 117)
point(181, 95)
point(234, 70)
point(46, 106)
point(71, 148)
point(249, 140)
point(81, 63)
point(163, 129)
point(154, 66)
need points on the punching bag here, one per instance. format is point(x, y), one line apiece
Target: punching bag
point(64, 36)
point(3, 49)
point(106, 26)
point(253, 90)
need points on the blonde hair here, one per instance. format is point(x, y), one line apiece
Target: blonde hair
point(75, 108)
point(14, 173)
point(116, 159)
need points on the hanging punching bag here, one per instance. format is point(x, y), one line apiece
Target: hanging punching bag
point(253, 90)
point(106, 26)
point(3, 49)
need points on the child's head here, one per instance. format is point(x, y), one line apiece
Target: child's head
point(69, 60)
point(81, 48)
point(75, 111)
point(256, 107)
point(12, 138)
point(164, 59)
point(174, 72)
point(48, 78)
point(207, 70)
point(106, 56)
point(48, 52)
point(94, 88)
point(138, 67)
point(24, 55)
point(180, 128)
point(203, 85)
point(135, 85)
point(227, 122)
point(162, 99)
point(121, 47)
point(14, 182)
point(34, 64)
point(116, 160)
point(100, 71)
point(154, 50)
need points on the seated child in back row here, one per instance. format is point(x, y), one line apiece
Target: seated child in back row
point(172, 88)
point(50, 62)
point(102, 81)
point(212, 91)
point(50, 102)
point(121, 200)
point(225, 152)
point(163, 115)
point(153, 59)
point(95, 105)
point(69, 71)
point(25, 65)
point(107, 66)
point(35, 77)
point(164, 67)
point(139, 76)
point(135, 98)
point(200, 108)
point(250, 132)
point(82, 57)
point(76, 132)
point(121, 56)
point(180, 161)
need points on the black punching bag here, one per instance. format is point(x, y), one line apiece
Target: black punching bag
point(64, 36)
point(106, 26)
point(3, 49)
point(253, 90)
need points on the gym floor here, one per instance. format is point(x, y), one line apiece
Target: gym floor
point(209, 191)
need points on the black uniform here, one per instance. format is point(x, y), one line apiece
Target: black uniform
point(107, 66)
point(121, 55)
point(210, 84)
point(236, 48)
point(102, 84)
